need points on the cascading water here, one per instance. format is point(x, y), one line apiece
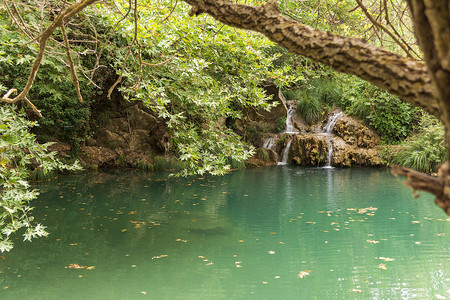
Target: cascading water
point(285, 156)
point(271, 141)
point(328, 129)
point(331, 122)
point(289, 122)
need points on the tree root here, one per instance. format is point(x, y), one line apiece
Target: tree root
point(438, 186)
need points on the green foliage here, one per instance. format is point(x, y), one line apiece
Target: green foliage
point(53, 92)
point(392, 118)
point(19, 154)
point(425, 150)
point(205, 72)
point(326, 89)
point(310, 108)
point(263, 154)
point(280, 124)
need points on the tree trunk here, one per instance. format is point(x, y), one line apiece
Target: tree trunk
point(432, 27)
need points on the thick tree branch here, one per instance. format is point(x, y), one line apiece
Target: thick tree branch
point(404, 77)
point(430, 184)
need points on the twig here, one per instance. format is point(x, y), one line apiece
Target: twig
point(383, 28)
point(119, 79)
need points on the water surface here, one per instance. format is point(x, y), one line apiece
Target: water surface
point(269, 233)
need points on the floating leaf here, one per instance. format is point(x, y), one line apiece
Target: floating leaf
point(303, 273)
point(373, 241)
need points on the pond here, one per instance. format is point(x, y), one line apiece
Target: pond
point(270, 233)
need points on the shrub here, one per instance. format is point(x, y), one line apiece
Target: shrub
point(280, 124)
point(424, 151)
point(393, 119)
point(310, 108)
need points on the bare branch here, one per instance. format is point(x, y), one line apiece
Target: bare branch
point(71, 65)
point(382, 27)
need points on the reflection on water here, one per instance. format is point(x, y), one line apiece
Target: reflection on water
point(271, 233)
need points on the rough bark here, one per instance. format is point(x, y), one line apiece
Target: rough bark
point(404, 77)
point(432, 27)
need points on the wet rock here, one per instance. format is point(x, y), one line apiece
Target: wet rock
point(262, 157)
point(309, 150)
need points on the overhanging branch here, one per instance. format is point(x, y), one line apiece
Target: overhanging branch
point(404, 77)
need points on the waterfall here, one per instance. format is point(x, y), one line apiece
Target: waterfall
point(289, 122)
point(328, 129)
point(285, 156)
point(270, 143)
point(332, 121)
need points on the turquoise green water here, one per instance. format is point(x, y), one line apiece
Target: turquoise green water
point(269, 233)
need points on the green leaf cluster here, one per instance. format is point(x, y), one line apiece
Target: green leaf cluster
point(195, 73)
point(425, 150)
point(19, 154)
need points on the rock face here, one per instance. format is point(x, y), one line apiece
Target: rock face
point(309, 150)
point(351, 143)
point(128, 135)
point(355, 133)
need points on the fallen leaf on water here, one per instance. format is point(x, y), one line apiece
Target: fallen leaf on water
point(382, 266)
point(90, 268)
point(303, 273)
point(123, 230)
point(372, 241)
point(385, 258)
point(75, 266)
